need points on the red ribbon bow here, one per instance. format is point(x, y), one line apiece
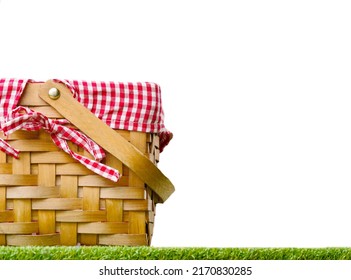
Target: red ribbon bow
point(27, 119)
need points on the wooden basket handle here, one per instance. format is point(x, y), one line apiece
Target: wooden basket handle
point(107, 138)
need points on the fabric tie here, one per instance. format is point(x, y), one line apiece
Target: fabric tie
point(27, 119)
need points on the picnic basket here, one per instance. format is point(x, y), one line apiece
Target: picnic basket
point(78, 162)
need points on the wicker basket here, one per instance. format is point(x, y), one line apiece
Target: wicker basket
point(47, 198)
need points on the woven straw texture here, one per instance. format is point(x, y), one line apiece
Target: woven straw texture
point(47, 198)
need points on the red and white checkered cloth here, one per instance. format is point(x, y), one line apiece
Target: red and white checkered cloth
point(127, 106)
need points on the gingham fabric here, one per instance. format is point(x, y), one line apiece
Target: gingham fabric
point(27, 119)
point(128, 106)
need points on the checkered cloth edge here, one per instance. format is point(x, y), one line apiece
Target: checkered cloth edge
point(129, 106)
point(27, 119)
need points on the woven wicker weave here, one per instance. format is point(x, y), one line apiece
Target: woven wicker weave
point(47, 198)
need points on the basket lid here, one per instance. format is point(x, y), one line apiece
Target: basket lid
point(127, 106)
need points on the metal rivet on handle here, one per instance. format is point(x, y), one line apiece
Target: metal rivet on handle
point(54, 93)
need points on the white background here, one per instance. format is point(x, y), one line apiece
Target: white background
point(90, 270)
point(257, 94)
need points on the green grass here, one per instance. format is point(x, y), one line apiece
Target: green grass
point(151, 253)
